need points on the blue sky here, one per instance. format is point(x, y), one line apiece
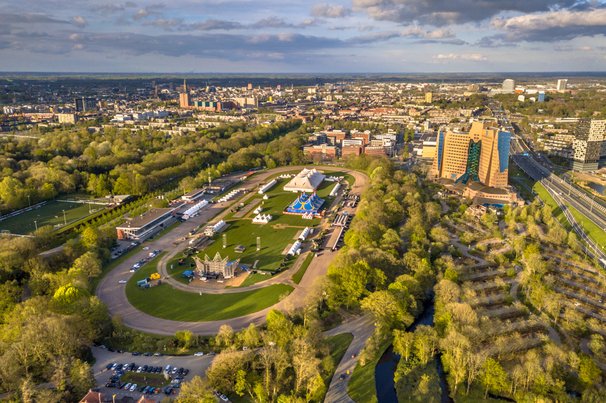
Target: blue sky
point(302, 36)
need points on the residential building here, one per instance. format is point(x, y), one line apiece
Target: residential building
point(85, 104)
point(587, 145)
point(428, 97)
point(509, 86)
point(562, 84)
point(67, 118)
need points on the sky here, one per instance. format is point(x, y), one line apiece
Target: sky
point(299, 36)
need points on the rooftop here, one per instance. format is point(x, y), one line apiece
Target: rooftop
point(146, 218)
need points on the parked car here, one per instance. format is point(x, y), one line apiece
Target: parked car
point(127, 386)
point(198, 354)
point(133, 387)
point(122, 281)
point(224, 398)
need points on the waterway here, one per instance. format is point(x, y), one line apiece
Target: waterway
point(386, 367)
point(601, 189)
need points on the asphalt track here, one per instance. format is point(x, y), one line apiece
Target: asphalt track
point(113, 294)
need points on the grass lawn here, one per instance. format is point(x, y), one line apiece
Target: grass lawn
point(547, 199)
point(337, 345)
point(49, 214)
point(362, 386)
point(168, 303)
point(254, 278)
point(596, 233)
point(273, 240)
point(298, 276)
point(178, 269)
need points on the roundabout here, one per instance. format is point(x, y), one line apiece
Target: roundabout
point(203, 307)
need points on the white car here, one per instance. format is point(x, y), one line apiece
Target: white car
point(133, 387)
point(198, 354)
point(121, 281)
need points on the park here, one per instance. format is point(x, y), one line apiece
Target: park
point(267, 276)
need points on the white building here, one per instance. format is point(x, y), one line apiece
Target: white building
point(308, 180)
point(509, 85)
point(562, 84)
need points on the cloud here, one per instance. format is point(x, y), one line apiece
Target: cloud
point(442, 35)
point(28, 18)
point(217, 46)
point(79, 21)
point(440, 12)
point(147, 11)
point(330, 11)
point(113, 8)
point(552, 25)
point(445, 57)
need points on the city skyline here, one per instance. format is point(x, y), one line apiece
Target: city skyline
point(284, 36)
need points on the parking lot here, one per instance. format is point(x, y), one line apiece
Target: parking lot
point(189, 365)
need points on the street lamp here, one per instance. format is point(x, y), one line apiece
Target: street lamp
point(29, 201)
point(36, 224)
point(64, 219)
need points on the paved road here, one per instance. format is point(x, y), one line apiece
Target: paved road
point(114, 295)
point(361, 329)
point(196, 366)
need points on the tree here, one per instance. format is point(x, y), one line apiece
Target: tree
point(589, 372)
point(185, 338)
point(493, 376)
point(225, 336)
point(90, 238)
point(403, 343)
point(387, 309)
point(196, 391)
point(250, 336)
point(425, 343)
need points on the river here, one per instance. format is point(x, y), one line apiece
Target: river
point(386, 367)
point(601, 189)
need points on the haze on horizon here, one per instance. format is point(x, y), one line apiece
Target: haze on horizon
point(266, 36)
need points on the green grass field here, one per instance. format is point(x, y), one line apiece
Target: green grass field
point(547, 199)
point(168, 303)
point(361, 386)
point(298, 276)
point(49, 214)
point(596, 233)
point(241, 231)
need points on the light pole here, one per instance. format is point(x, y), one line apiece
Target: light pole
point(36, 224)
point(64, 219)
point(29, 201)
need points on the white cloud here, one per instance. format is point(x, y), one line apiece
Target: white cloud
point(330, 11)
point(475, 57)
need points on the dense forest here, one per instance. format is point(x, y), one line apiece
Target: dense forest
point(116, 161)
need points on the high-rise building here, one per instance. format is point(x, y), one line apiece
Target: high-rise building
point(509, 85)
point(480, 155)
point(541, 96)
point(184, 97)
point(562, 83)
point(587, 145)
point(428, 97)
point(85, 104)
point(249, 86)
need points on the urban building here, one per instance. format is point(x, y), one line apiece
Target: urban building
point(67, 118)
point(147, 224)
point(428, 97)
point(480, 155)
point(184, 97)
point(541, 96)
point(562, 84)
point(587, 145)
point(323, 152)
point(85, 104)
point(509, 86)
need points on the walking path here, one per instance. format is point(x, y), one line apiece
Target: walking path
point(361, 329)
point(113, 294)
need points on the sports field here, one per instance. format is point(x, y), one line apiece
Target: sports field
point(49, 214)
